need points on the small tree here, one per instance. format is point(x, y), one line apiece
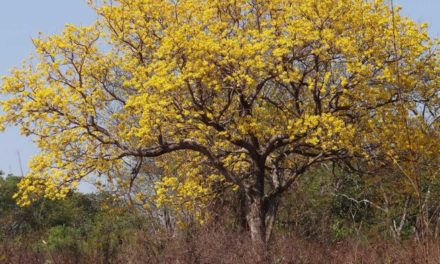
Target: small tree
point(246, 94)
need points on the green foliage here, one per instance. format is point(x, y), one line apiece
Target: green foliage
point(62, 237)
point(8, 187)
point(75, 227)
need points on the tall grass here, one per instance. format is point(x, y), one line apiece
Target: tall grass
point(217, 245)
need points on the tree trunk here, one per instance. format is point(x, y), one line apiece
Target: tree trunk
point(241, 211)
point(260, 212)
point(256, 219)
point(260, 219)
point(270, 212)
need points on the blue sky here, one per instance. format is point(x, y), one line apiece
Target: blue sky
point(21, 20)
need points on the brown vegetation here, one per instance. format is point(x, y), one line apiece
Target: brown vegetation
point(215, 245)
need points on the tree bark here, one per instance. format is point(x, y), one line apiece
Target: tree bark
point(256, 219)
point(241, 211)
point(270, 211)
point(260, 210)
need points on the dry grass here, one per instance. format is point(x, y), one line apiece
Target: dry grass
point(219, 246)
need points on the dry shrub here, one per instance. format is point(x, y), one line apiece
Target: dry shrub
point(217, 245)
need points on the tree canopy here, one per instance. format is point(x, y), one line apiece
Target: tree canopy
point(174, 101)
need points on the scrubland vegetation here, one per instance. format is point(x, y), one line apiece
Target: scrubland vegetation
point(317, 223)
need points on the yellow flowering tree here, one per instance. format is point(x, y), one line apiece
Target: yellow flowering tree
point(242, 94)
